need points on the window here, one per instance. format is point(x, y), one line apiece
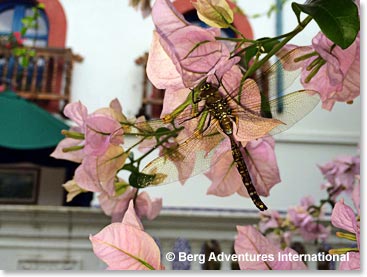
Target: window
point(11, 15)
point(45, 72)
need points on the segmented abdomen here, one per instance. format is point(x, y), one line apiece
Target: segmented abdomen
point(245, 175)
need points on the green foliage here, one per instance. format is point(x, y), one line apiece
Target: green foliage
point(337, 19)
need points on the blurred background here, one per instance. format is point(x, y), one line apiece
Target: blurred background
point(94, 51)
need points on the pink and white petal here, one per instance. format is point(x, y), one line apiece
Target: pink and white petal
point(253, 127)
point(354, 262)
point(125, 247)
point(251, 241)
point(146, 207)
point(262, 164)
point(131, 218)
point(356, 195)
point(77, 112)
point(74, 156)
point(173, 98)
point(224, 176)
point(116, 106)
point(171, 21)
point(116, 206)
point(343, 217)
point(287, 57)
point(108, 166)
point(99, 131)
point(161, 70)
point(196, 53)
point(86, 175)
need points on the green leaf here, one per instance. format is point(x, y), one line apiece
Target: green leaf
point(162, 131)
point(121, 187)
point(265, 45)
point(337, 19)
point(41, 6)
point(131, 168)
point(24, 61)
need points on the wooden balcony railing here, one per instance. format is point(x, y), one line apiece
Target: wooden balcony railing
point(47, 76)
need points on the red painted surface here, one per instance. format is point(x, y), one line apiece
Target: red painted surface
point(56, 38)
point(240, 21)
point(57, 23)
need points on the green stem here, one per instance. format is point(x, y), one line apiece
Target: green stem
point(343, 250)
point(157, 145)
point(237, 32)
point(348, 236)
point(73, 135)
point(72, 148)
point(276, 48)
point(131, 147)
point(234, 39)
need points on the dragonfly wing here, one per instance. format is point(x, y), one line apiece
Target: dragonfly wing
point(272, 78)
point(191, 157)
point(296, 106)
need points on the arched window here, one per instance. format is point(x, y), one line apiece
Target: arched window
point(11, 15)
point(42, 79)
point(52, 21)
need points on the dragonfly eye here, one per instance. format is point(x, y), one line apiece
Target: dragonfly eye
point(206, 86)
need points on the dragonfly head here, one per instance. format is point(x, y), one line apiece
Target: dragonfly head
point(207, 89)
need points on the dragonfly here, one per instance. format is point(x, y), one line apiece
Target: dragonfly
point(218, 109)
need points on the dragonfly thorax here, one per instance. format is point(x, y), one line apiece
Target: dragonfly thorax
point(217, 105)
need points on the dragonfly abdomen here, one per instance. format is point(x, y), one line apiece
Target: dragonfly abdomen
point(221, 112)
point(245, 175)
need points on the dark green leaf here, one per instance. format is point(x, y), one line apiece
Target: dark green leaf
point(251, 52)
point(131, 156)
point(162, 131)
point(130, 167)
point(337, 19)
point(296, 9)
point(264, 45)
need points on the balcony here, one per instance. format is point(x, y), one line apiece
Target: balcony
point(45, 79)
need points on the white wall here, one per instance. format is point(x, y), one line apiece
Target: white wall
point(111, 35)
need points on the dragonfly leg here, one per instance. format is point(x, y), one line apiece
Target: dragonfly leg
point(194, 116)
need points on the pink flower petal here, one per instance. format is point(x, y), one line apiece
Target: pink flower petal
point(146, 207)
point(262, 164)
point(356, 195)
point(125, 246)
point(100, 132)
point(343, 217)
point(249, 241)
point(74, 156)
point(98, 173)
point(171, 21)
point(131, 218)
point(77, 112)
point(354, 262)
point(116, 206)
point(160, 69)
